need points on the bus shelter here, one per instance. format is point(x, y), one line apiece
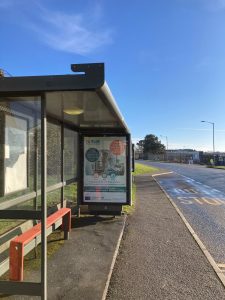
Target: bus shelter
point(63, 141)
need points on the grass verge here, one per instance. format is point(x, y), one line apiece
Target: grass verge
point(32, 261)
point(219, 167)
point(141, 169)
point(129, 209)
point(6, 225)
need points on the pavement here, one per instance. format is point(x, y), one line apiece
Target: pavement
point(158, 257)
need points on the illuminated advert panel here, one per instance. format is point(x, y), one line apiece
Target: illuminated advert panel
point(105, 169)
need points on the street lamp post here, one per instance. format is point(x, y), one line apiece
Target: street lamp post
point(166, 144)
point(164, 136)
point(213, 124)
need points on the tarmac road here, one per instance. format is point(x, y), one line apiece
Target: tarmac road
point(214, 178)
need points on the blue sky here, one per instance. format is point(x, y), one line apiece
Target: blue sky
point(165, 59)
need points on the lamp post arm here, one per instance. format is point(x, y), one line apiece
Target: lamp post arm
point(213, 124)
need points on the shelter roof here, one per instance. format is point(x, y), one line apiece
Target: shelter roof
point(82, 99)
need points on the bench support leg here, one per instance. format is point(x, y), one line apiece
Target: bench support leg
point(66, 225)
point(16, 261)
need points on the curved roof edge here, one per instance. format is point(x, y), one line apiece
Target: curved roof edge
point(105, 92)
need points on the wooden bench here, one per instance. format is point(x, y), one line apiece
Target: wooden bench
point(17, 245)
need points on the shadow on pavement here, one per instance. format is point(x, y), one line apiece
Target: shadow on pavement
point(89, 220)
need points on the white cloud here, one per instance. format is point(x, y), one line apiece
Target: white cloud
point(74, 33)
point(78, 33)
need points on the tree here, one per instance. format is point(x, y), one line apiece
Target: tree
point(140, 145)
point(151, 144)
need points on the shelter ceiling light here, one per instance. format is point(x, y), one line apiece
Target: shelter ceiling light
point(74, 111)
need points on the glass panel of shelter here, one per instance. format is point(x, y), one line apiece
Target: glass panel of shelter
point(20, 156)
point(20, 164)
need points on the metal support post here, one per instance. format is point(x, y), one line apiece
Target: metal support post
point(43, 200)
point(62, 163)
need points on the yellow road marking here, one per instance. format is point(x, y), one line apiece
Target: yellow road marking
point(192, 191)
point(197, 200)
point(213, 201)
point(221, 265)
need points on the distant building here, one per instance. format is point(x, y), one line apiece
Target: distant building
point(188, 156)
point(218, 157)
point(138, 154)
point(184, 155)
point(178, 155)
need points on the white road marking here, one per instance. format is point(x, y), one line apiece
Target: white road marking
point(209, 199)
point(162, 174)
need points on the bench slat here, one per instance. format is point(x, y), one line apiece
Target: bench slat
point(30, 234)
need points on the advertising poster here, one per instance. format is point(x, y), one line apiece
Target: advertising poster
point(15, 154)
point(105, 176)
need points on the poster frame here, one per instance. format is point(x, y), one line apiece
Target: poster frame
point(2, 154)
point(128, 170)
